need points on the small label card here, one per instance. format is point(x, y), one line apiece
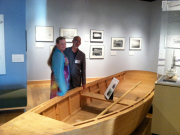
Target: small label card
point(131, 53)
point(113, 53)
point(17, 57)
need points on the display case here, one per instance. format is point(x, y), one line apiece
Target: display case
point(166, 102)
point(169, 47)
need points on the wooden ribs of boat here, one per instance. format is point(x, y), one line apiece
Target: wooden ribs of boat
point(76, 112)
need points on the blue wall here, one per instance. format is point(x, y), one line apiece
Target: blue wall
point(15, 43)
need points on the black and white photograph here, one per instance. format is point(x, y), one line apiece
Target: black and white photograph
point(117, 43)
point(173, 41)
point(97, 35)
point(69, 34)
point(114, 86)
point(135, 43)
point(44, 34)
point(96, 51)
point(109, 93)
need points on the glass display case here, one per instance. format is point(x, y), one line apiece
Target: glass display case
point(169, 46)
point(166, 102)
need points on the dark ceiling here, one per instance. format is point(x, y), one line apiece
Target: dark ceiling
point(148, 0)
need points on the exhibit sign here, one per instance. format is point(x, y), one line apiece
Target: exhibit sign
point(2, 46)
point(17, 57)
point(111, 88)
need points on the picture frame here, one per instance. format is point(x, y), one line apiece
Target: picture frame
point(117, 43)
point(44, 34)
point(97, 36)
point(69, 34)
point(135, 44)
point(96, 52)
point(173, 41)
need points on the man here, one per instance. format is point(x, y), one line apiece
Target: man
point(77, 64)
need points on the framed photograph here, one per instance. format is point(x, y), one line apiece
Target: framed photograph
point(135, 43)
point(97, 35)
point(112, 86)
point(173, 41)
point(69, 34)
point(45, 34)
point(117, 43)
point(96, 51)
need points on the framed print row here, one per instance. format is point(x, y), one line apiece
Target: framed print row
point(119, 43)
point(47, 34)
point(69, 34)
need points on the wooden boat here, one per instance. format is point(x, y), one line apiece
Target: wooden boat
point(77, 112)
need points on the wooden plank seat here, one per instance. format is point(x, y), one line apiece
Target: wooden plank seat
point(13, 99)
point(101, 97)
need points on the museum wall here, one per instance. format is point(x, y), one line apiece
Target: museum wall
point(118, 18)
point(154, 36)
point(15, 43)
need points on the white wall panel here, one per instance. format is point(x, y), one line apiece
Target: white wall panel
point(2, 47)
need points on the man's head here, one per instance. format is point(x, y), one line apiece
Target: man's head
point(76, 41)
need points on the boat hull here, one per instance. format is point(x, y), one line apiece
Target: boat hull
point(57, 116)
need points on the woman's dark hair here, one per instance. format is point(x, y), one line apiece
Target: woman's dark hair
point(49, 62)
point(59, 38)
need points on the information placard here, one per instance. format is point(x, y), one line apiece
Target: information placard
point(111, 88)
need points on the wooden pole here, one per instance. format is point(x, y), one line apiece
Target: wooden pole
point(119, 99)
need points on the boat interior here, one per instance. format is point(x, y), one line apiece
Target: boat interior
point(81, 106)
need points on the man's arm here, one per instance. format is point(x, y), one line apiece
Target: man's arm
point(83, 69)
point(84, 86)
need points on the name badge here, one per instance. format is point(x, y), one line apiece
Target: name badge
point(77, 61)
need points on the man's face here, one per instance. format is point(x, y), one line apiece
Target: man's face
point(76, 42)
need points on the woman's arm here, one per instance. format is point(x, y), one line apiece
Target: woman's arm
point(58, 68)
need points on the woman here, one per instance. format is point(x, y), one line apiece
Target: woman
point(60, 69)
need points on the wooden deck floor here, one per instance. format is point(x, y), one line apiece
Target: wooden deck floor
point(40, 92)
